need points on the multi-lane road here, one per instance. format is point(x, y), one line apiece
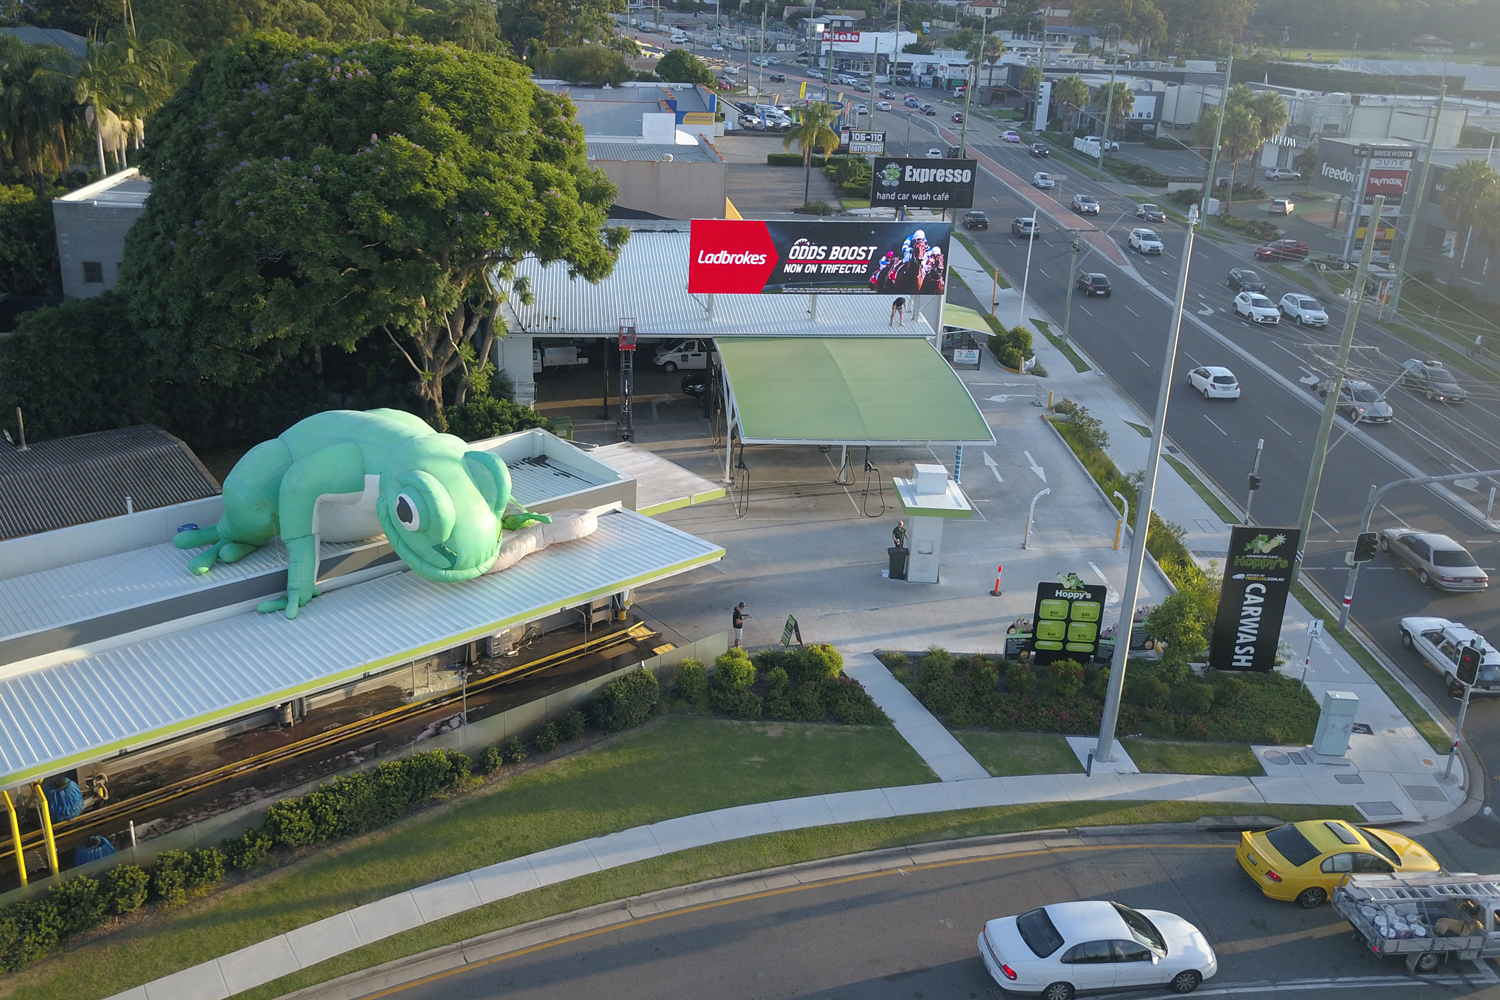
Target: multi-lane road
point(911, 933)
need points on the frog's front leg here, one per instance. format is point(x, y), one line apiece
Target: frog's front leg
point(339, 468)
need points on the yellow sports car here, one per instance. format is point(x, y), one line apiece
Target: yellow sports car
point(1304, 861)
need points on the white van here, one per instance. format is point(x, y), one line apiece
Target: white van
point(679, 38)
point(683, 354)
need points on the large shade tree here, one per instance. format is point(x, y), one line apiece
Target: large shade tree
point(308, 196)
point(1250, 121)
point(1071, 94)
point(1466, 189)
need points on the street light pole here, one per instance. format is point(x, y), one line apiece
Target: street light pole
point(1411, 227)
point(1331, 402)
point(1072, 269)
point(1026, 276)
point(1260, 445)
point(973, 81)
point(1104, 751)
point(1109, 103)
point(1213, 152)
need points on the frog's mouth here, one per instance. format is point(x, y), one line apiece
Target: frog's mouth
point(439, 563)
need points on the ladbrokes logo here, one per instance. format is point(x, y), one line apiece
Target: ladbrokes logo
point(1342, 174)
point(726, 257)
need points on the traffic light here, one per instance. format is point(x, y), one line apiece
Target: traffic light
point(1468, 663)
point(1254, 483)
point(1364, 546)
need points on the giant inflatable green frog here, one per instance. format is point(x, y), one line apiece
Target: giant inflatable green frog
point(344, 476)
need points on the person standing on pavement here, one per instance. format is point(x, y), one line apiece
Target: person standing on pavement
point(1478, 347)
point(898, 535)
point(738, 620)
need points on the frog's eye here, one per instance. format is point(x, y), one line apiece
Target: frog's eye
point(407, 514)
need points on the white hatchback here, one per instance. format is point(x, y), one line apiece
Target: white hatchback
point(1145, 241)
point(1214, 382)
point(1064, 948)
point(882, 105)
point(1043, 180)
point(1256, 308)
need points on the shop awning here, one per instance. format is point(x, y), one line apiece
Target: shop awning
point(848, 390)
point(964, 318)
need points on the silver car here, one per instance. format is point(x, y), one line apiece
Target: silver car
point(1439, 560)
point(1361, 402)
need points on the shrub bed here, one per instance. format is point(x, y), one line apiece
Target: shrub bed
point(1138, 172)
point(805, 684)
point(1161, 699)
point(344, 806)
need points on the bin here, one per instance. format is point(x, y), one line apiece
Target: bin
point(898, 556)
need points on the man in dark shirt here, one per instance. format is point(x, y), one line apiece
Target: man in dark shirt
point(740, 614)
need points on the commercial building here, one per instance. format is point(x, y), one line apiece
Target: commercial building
point(91, 226)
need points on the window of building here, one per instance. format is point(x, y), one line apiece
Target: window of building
point(93, 272)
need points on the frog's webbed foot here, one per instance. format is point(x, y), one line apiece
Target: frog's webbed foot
point(514, 522)
point(291, 603)
point(194, 537)
point(219, 551)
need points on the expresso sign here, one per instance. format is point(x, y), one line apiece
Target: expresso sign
point(923, 183)
point(1257, 576)
point(751, 257)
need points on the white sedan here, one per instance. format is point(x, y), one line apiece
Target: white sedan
point(1256, 308)
point(861, 109)
point(1144, 241)
point(882, 105)
point(1214, 382)
point(1043, 180)
point(933, 153)
point(1303, 309)
point(1010, 135)
point(717, 47)
point(1061, 949)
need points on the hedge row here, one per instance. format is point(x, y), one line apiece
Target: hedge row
point(347, 805)
point(806, 684)
point(1161, 698)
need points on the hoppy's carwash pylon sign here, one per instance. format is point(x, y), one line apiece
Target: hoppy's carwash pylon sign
point(754, 257)
point(1257, 576)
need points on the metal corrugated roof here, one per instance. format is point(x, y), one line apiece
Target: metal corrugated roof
point(73, 480)
point(139, 694)
point(649, 284)
point(680, 152)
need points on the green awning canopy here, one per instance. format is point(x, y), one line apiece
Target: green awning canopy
point(848, 390)
point(964, 318)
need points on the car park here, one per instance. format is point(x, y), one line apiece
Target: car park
point(1433, 379)
point(1093, 283)
point(958, 118)
point(1085, 204)
point(1043, 180)
point(882, 105)
point(933, 153)
point(682, 354)
point(1242, 279)
point(928, 109)
point(1282, 174)
point(1214, 382)
point(1282, 206)
point(1010, 135)
point(1283, 250)
point(1438, 560)
point(1304, 862)
point(1439, 642)
point(751, 122)
point(1304, 310)
point(1144, 241)
point(1360, 401)
point(1038, 149)
point(745, 107)
point(1256, 308)
point(1062, 949)
point(976, 220)
point(1027, 228)
point(1150, 212)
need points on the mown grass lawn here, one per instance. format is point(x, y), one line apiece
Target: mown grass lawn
point(1173, 757)
point(672, 767)
point(1004, 754)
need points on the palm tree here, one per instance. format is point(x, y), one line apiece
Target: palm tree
point(35, 112)
point(1071, 93)
point(1031, 83)
point(1487, 224)
point(1465, 189)
point(992, 50)
point(813, 130)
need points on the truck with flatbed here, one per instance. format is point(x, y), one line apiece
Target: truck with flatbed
point(1424, 919)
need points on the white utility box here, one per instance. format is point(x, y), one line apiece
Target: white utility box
point(1335, 723)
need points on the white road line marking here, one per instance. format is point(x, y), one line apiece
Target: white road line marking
point(1085, 308)
point(1395, 515)
point(1044, 273)
point(1325, 520)
point(1282, 429)
point(1133, 312)
point(1216, 426)
point(993, 467)
point(1112, 596)
point(1141, 360)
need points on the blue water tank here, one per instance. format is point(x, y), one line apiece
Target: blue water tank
point(64, 799)
point(92, 849)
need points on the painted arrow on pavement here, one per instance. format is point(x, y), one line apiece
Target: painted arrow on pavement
point(999, 399)
point(1207, 310)
point(1036, 468)
point(993, 467)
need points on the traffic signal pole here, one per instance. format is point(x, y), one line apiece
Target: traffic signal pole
point(1376, 492)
